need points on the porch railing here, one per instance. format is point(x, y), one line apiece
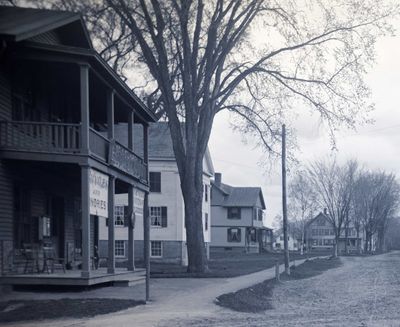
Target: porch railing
point(65, 138)
point(98, 144)
point(40, 136)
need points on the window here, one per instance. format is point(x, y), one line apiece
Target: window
point(156, 249)
point(119, 215)
point(206, 221)
point(206, 193)
point(233, 213)
point(155, 182)
point(158, 216)
point(119, 249)
point(234, 235)
point(260, 214)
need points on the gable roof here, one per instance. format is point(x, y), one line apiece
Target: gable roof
point(18, 24)
point(320, 215)
point(237, 196)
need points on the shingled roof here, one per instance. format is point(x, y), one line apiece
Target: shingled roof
point(17, 24)
point(160, 142)
point(238, 196)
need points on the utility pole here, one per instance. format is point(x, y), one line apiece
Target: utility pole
point(284, 204)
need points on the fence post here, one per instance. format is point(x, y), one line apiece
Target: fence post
point(277, 275)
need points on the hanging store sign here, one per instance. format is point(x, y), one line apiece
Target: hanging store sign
point(98, 193)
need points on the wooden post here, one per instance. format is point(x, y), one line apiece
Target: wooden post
point(131, 239)
point(130, 130)
point(111, 226)
point(284, 204)
point(277, 274)
point(84, 89)
point(110, 114)
point(146, 218)
point(85, 221)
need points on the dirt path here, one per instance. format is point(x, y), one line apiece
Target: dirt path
point(363, 292)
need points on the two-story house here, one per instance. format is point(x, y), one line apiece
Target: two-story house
point(60, 165)
point(167, 222)
point(238, 218)
point(320, 235)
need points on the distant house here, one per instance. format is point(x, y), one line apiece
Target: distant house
point(320, 235)
point(166, 206)
point(293, 243)
point(238, 218)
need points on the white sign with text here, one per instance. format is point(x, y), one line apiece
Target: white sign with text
point(98, 193)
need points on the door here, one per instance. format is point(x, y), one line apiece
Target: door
point(58, 225)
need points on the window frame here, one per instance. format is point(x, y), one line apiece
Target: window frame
point(116, 248)
point(229, 237)
point(151, 249)
point(117, 216)
point(229, 213)
point(162, 214)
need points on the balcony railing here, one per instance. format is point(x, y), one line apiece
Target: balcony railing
point(65, 138)
point(40, 136)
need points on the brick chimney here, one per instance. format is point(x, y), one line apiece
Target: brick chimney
point(325, 211)
point(217, 179)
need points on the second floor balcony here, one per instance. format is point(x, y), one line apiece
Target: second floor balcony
point(65, 138)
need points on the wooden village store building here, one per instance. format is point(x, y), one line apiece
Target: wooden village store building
point(60, 164)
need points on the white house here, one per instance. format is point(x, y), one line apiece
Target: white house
point(166, 206)
point(238, 218)
point(293, 243)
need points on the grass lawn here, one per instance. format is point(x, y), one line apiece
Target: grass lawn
point(12, 311)
point(228, 264)
point(257, 298)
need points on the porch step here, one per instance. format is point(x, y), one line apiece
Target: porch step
point(130, 280)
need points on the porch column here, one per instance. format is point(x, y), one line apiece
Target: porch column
point(110, 114)
point(146, 218)
point(84, 91)
point(146, 241)
point(111, 226)
point(131, 238)
point(130, 130)
point(85, 221)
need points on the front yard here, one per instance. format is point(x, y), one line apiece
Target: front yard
point(229, 264)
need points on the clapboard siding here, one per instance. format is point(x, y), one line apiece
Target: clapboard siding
point(5, 97)
point(6, 203)
point(50, 37)
point(6, 214)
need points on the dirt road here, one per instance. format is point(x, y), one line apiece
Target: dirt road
point(363, 292)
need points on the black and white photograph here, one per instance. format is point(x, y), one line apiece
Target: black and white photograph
point(199, 163)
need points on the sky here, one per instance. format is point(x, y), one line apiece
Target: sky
point(376, 145)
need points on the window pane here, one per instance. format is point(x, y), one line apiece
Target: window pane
point(119, 213)
point(119, 248)
point(156, 249)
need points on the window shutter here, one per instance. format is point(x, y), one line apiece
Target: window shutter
point(106, 221)
point(127, 216)
point(164, 217)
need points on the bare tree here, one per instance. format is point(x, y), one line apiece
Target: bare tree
point(302, 204)
point(377, 199)
point(199, 57)
point(334, 186)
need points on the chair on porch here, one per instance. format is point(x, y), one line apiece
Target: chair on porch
point(51, 261)
point(30, 253)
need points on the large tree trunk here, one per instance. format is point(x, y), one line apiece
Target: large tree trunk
point(193, 198)
point(302, 242)
point(335, 246)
